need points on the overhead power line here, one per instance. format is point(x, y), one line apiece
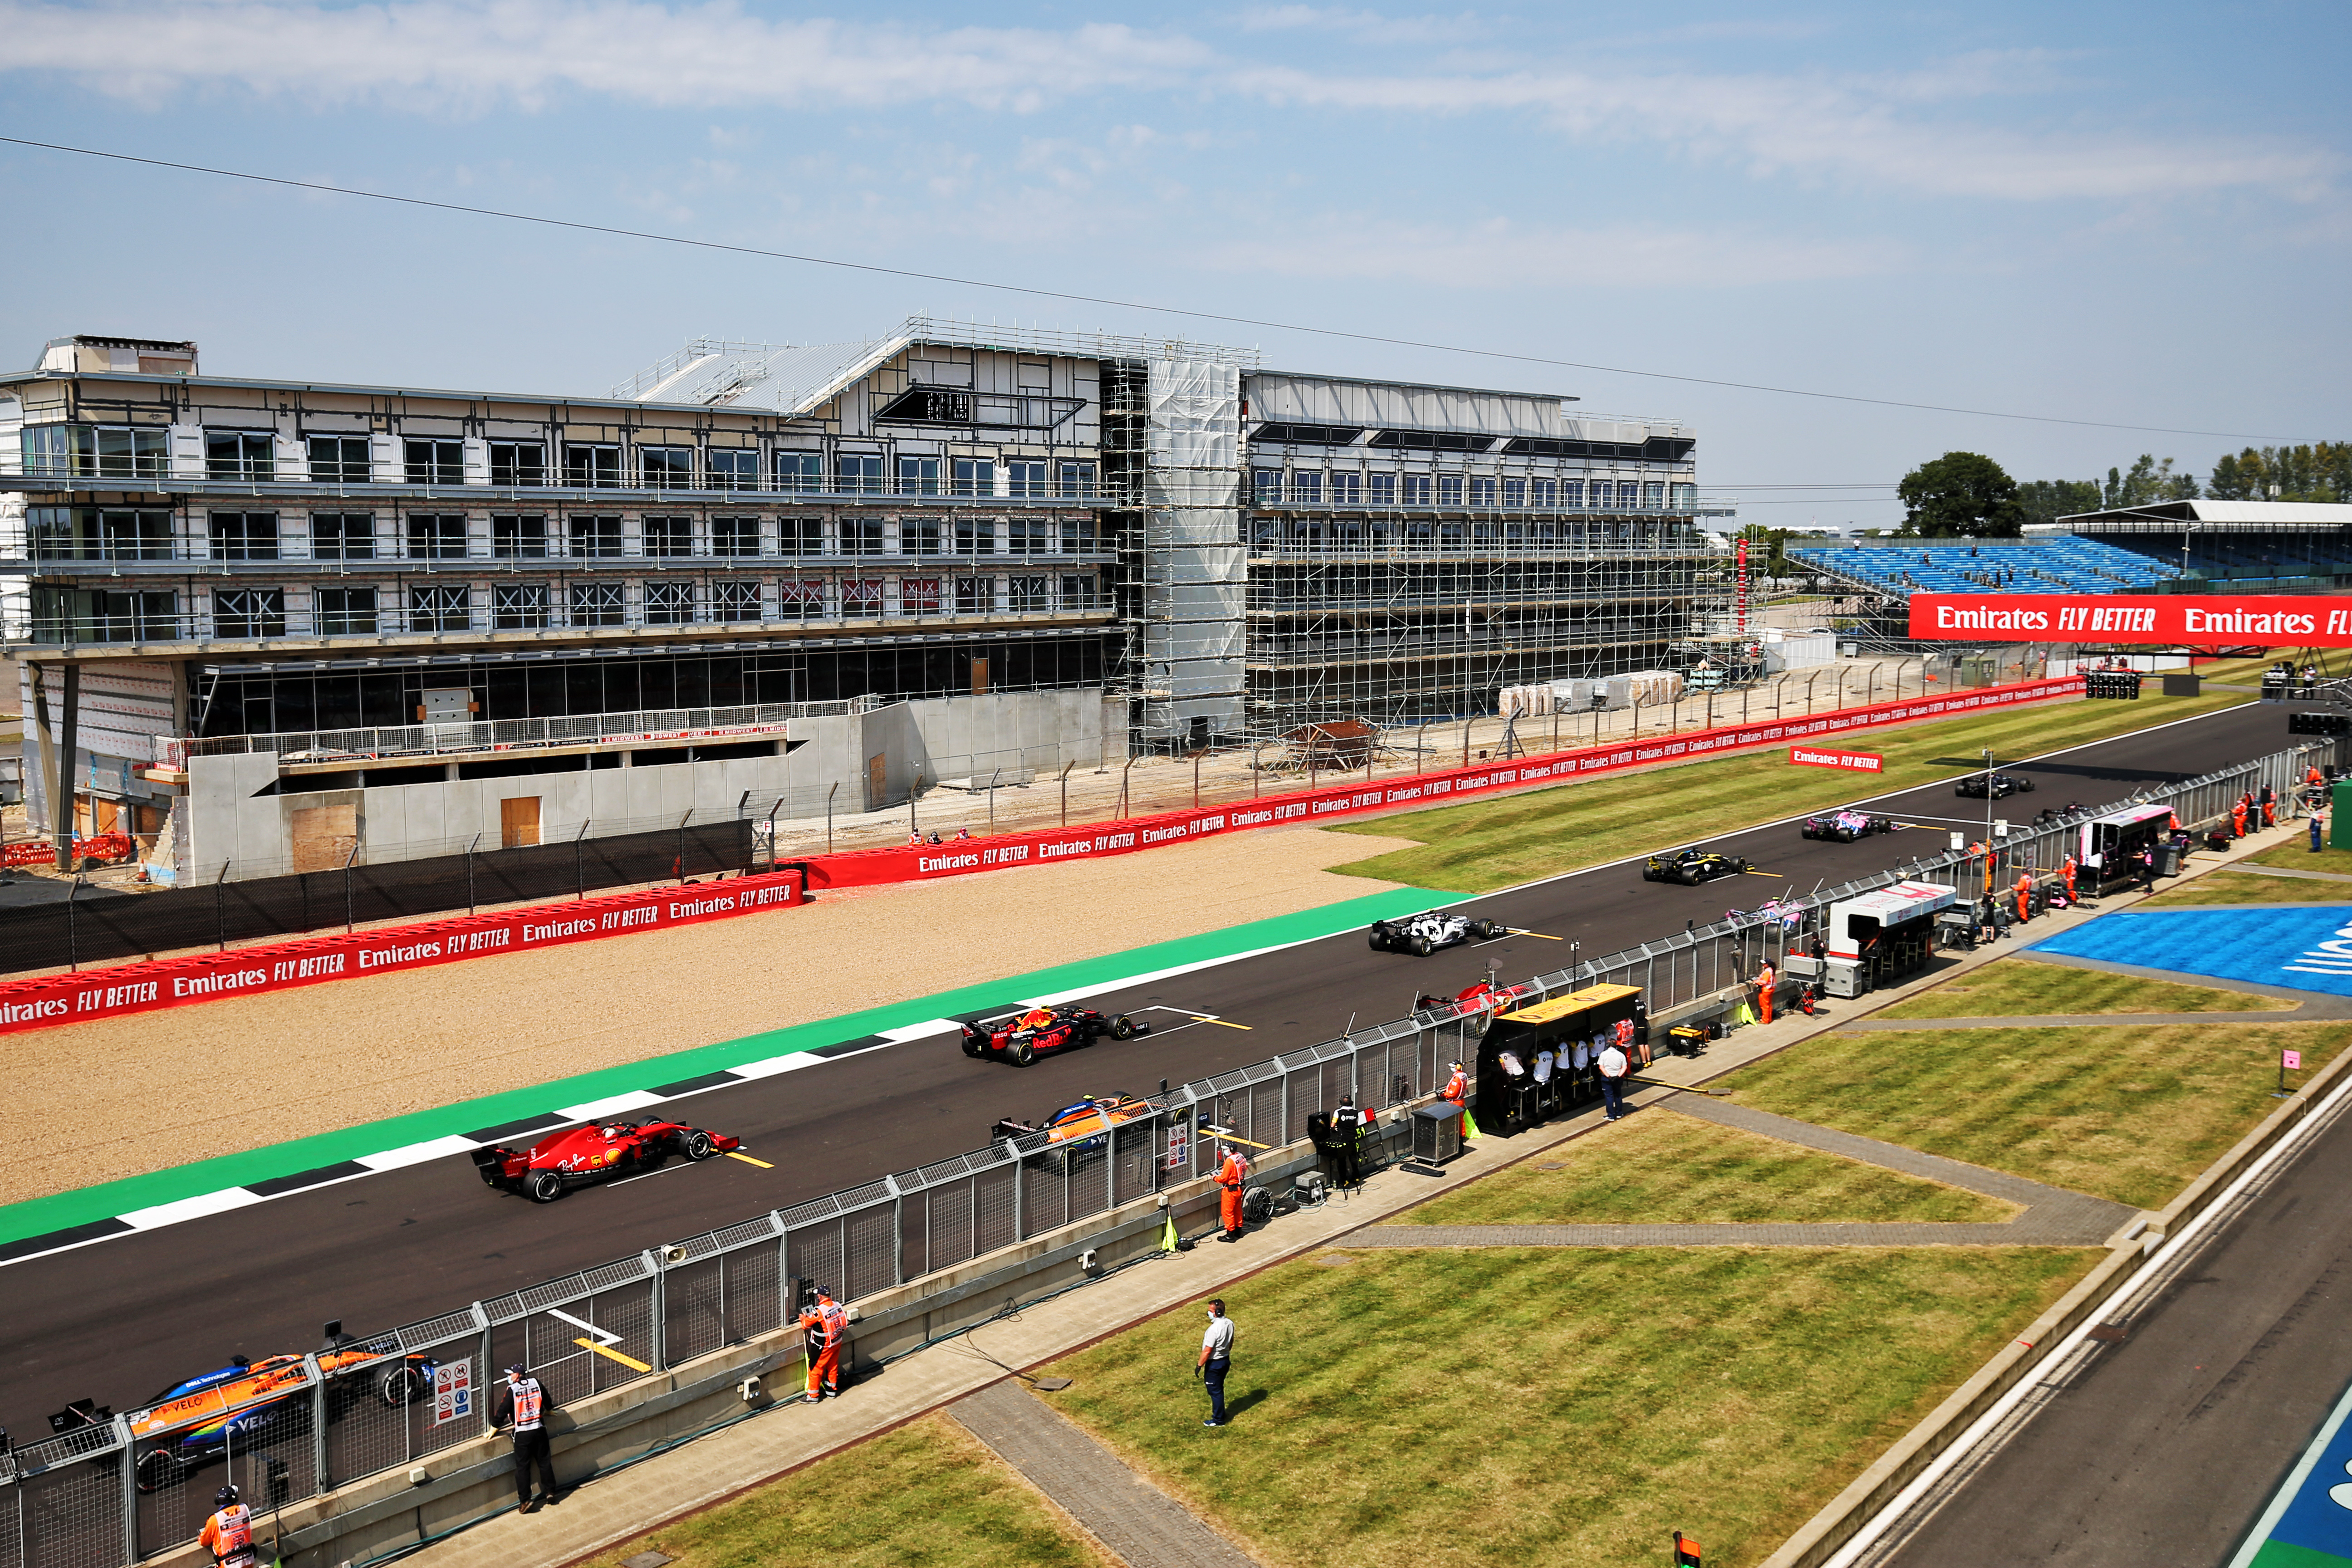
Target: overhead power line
point(1035, 292)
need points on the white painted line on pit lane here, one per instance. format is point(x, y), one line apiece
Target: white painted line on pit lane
point(417, 1153)
point(597, 1110)
point(201, 1207)
point(771, 1066)
point(906, 1031)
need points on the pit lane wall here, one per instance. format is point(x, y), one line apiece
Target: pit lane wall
point(913, 863)
point(47, 1001)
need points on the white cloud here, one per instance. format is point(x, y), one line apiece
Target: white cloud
point(1498, 254)
point(1366, 27)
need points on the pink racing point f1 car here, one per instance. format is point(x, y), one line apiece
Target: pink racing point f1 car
point(581, 1156)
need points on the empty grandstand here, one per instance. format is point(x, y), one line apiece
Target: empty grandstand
point(2060, 564)
point(2271, 546)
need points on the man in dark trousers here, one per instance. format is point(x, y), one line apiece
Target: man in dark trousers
point(1216, 1360)
point(521, 1401)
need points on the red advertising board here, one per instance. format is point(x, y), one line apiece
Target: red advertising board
point(2198, 620)
point(1357, 796)
point(1825, 757)
point(48, 1000)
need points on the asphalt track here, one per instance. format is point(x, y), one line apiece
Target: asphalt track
point(2165, 1447)
point(120, 1320)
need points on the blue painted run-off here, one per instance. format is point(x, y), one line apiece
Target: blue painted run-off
point(2307, 946)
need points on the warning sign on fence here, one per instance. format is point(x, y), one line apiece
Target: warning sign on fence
point(1177, 1142)
point(452, 1391)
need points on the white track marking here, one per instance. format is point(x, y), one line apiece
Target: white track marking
point(418, 1154)
point(611, 1105)
point(201, 1207)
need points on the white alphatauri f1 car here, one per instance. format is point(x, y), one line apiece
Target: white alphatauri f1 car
point(1431, 930)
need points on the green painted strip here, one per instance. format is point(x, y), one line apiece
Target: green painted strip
point(2286, 1554)
point(59, 1211)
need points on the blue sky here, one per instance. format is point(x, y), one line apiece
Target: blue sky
point(2129, 213)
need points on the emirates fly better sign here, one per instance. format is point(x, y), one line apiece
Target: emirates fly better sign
point(2198, 620)
point(1823, 757)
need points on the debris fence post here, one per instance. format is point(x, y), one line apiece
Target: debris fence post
point(469, 872)
point(1065, 792)
point(828, 815)
point(579, 862)
point(348, 859)
point(681, 841)
point(220, 904)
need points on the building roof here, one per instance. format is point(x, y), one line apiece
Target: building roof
point(2233, 515)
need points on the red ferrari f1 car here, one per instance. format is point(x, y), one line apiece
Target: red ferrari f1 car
point(1022, 1038)
point(580, 1156)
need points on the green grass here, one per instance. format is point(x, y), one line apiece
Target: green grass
point(1498, 843)
point(925, 1495)
point(2019, 987)
point(2296, 856)
point(2123, 1113)
point(1567, 1407)
point(2226, 888)
point(1661, 1168)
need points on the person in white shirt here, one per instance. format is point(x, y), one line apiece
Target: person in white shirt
point(1612, 1064)
point(1216, 1360)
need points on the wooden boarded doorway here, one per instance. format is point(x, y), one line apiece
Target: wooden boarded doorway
point(519, 822)
point(877, 782)
point(324, 836)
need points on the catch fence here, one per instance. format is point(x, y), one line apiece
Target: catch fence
point(125, 1487)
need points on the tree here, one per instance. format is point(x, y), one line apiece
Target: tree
point(2149, 482)
point(1960, 495)
point(2047, 500)
point(2320, 472)
point(1767, 549)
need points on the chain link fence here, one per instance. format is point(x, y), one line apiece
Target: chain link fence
point(106, 1495)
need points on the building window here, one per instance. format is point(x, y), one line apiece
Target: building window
point(861, 599)
point(1543, 494)
point(1307, 487)
point(666, 468)
point(800, 471)
point(1078, 536)
point(518, 537)
point(1685, 498)
point(65, 451)
point(800, 598)
point(238, 455)
point(1077, 481)
point(975, 536)
point(918, 475)
point(1449, 490)
point(1482, 491)
point(340, 461)
point(1028, 536)
point(672, 536)
point(734, 535)
point(735, 601)
point(1024, 478)
point(595, 538)
point(343, 536)
point(249, 613)
point(670, 604)
point(975, 595)
point(801, 533)
point(345, 612)
point(919, 596)
point(434, 462)
point(975, 477)
point(244, 535)
point(1514, 493)
point(1416, 489)
point(133, 452)
point(859, 475)
point(733, 468)
point(520, 465)
point(1268, 486)
point(104, 616)
point(1571, 494)
point(597, 604)
point(518, 606)
point(1383, 489)
point(1347, 488)
point(1449, 536)
point(592, 466)
point(1653, 495)
point(918, 536)
point(861, 535)
point(1078, 591)
point(440, 609)
point(82, 533)
point(1028, 594)
point(436, 536)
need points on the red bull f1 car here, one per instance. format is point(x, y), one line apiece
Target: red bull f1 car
point(1080, 1125)
point(1425, 933)
point(581, 1156)
point(1845, 826)
point(1022, 1038)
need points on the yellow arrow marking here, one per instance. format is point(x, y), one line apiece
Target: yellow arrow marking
point(627, 1361)
point(1206, 1017)
point(748, 1160)
point(1229, 1138)
point(1539, 936)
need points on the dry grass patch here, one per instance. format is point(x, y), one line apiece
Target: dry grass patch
point(2022, 988)
point(1659, 1168)
point(925, 1495)
point(2130, 1114)
point(1554, 1405)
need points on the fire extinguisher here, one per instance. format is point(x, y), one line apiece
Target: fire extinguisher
point(1805, 997)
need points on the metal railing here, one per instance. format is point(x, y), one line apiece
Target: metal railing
point(656, 724)
point(114, 1492)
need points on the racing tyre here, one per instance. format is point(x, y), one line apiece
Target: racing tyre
point(157, 1469)
point(1688, 876)
point(698, 1145)
point(1380, 943)
point(1022, 1053)
point(2023, 784)
point(1846, 836)
point(542, 1186)
point(1487, 930)
point(401, 1386)
point(1122, 1027)
point(1420, 947)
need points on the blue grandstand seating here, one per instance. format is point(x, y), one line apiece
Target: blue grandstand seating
point(2062, 564)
